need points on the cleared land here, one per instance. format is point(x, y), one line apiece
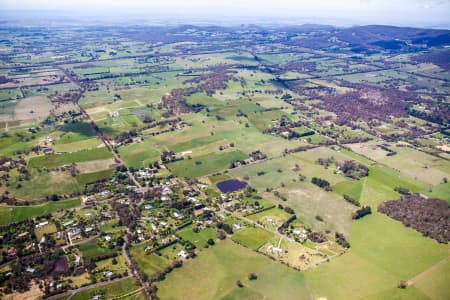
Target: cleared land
point(18, 213)
point(221, 265)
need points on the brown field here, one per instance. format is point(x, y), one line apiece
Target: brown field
point(309, 201)
point(95, 165)
point(32, 294)
point(29, 110)
point(371, 150)
point(27, 80)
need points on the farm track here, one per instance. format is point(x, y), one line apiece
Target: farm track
point(418, 277)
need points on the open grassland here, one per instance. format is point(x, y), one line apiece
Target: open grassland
point(18, 213)
point(204, 165)
point(441, 191)
point(150, 263)
point(199, 239)
point(435, 284)
point(10, 94)
point(263, 120)
point(47, 229)
point(27, 110)
point(206, 134)
point(83, 179)
point(92, 250)
point(281, 169)
point(55, 160)
point(79, 280)
point(351, 188)
point(95, 165)
point(379, 185)
point(43, 184)
point(252, 237)
point(271, 218)
point(418, 165)
point(78, 146)
point(369, 149)
point(17, 140)
point(309, 201)
point(382, 253)
point(422, 169)
point(107, 264)
point(272, 177)
point(139, 155)
point(74, 132)
point(111, 291)
point(218, 268)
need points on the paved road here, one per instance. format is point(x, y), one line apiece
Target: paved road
point(107, 143)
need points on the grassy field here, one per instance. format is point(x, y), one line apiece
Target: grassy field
point(44, 184)
point(74, 132)
point(89, 143)
point(83, 179)
point(435, 284)
point(252, 237)
point(379, 185)
point(292, 253)
point(213, 274)
point(54, 160)
point(47, 229)
point(92, 250)
point(418, 165)
point(18, 213)
point(209, 164)
point(198, 239)
point(263, 120)
point(351, 188)
point(139, 155)
point(382, 253)
point(276, 214)
point(149, 263)
point(27, 110)
point(107, 264)
point(309, 201)
point(10, 94)
point(111, 291)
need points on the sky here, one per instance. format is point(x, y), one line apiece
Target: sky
point(420, 13)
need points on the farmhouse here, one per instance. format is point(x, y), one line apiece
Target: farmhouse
point(182, 254)
point(178, 216)
point(237, 226)
point(68, 223)
point(274, 250)
point(42, 224)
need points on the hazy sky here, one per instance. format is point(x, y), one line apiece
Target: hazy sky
point(397, 12)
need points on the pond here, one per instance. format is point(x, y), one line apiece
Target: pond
point(231, 185)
